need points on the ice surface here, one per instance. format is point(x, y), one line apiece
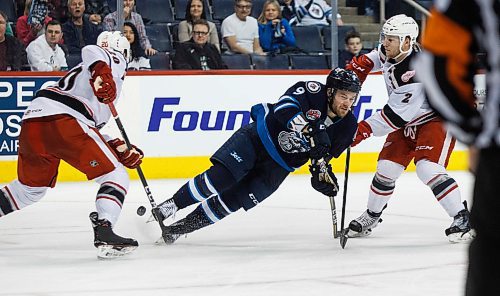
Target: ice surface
point(282, 247)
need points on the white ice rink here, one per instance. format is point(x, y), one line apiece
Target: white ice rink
point(282, 247)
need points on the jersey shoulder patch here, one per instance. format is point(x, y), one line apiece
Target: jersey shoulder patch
point(313, 87)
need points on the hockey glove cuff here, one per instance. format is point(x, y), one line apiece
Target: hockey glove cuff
point(364, 132)
point(102, 82)
point(130, 158)
point(323, 179)
point(361, 65)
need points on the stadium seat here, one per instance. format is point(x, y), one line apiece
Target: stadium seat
point(308, 38)
point(73, 59)
point(278, 62)
point(180, 9)
point(155, 11)
point(308, 62)
point(222, 9)
point(342, 31)
point(257, 7)
point(9, 7)
point(159, 36)
point(237, 61)
point(160, 61)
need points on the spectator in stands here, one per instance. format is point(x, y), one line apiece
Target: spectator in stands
point(139, 60)
point(198, 53)
point(309, 13)
point(241, 31)
point(12, 53)
point(79, 30)
point(109, 24)
point(28, 32)
point(353, 47)
point(9, 31)
point(96, 10)
point(275, 33)
point(58, 10)
point(44, 53)
point(196, 11)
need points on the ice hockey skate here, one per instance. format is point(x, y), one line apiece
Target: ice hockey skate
point(108, 244)
point(163, 211)
point(363, 225)
point(460, 230)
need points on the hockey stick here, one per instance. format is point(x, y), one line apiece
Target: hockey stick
point(343, 232)
point(333, 208)
point(139, 169)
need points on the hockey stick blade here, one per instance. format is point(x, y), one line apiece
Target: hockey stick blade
point(343, 237)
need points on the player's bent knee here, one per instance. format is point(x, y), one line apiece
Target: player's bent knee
point(118, 176)
point(389, 170)
point(16, 196)
point(427, 171)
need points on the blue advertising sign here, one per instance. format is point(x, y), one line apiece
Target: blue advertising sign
point(15, 95)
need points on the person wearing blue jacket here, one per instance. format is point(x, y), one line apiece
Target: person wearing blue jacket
point(275, 32)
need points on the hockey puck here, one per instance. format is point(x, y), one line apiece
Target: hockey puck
point(141, 210)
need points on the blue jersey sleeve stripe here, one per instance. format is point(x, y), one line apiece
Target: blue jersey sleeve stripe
point(286, 105)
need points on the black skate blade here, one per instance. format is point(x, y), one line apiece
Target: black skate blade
point(343, 237)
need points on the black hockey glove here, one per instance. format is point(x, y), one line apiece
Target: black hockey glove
point(320, 141)
point(323, 179)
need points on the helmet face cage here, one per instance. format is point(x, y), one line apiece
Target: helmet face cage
point(401, 26)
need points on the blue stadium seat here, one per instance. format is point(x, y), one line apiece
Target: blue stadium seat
point(308, 62)
point(257, 7)
point(278, 62)
point(9, 7)
point(155, 11)
point(160, 61)
point(159, 36)
point(237, 61)
point(222, 9)
point(180, 9)
point(73, 59)
point(342, 31)
point(308, 38)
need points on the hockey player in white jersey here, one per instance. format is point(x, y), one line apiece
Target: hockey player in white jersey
point(63, 122)
point(414, 132)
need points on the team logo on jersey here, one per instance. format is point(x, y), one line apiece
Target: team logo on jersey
point(292, 142)
point(93, 163)
point(407, 76)
point(316, 11)
point(313, 114)
point(313, 87)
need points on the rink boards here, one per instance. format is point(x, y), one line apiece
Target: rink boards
point(179, 118)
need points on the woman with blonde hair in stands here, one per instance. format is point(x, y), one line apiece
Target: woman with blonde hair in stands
point(275, 32)
point(195, 10)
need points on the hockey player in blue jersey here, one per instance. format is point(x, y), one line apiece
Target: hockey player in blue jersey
point(311, 120)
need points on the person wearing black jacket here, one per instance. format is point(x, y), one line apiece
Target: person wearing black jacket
point(198, 53)
point(12, 53)
point(79, 30)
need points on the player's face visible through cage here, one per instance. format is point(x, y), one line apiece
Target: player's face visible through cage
point(341, 101)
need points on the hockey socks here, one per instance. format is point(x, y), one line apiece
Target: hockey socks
point(5, 204)
point(207, 213)
point(207, 184)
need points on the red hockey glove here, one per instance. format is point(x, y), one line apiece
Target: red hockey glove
point(364, 132)
point(361, 65)
point(129, 158)
point(102, 83)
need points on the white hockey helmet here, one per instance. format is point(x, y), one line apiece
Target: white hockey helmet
point(401, 26)
point(115, 41)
